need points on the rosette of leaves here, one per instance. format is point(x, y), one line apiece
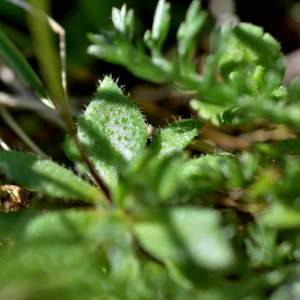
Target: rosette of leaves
point(125, 242)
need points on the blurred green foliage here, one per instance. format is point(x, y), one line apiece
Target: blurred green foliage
point(173, 225)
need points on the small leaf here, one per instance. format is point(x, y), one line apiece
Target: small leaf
point(234, 116)
point(280, 93)
point(187, 32)
point(161, 23)
point(207, 111)
point(117, 20)
point(130, 24)
point(20, 65)
point(205, 174)
point(46, 177)
point(175, 137)
point(112, 131)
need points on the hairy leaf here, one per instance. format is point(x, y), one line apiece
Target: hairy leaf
point(112, 131)
point(175, 137)
point(46, 177)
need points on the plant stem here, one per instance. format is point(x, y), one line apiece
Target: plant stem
point(92, 170)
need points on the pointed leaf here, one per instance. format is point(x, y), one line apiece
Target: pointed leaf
point(20, 65)
point(161, 23)
point(46, 177)
point(175, 137)
point(112, 130)
point(187, 32)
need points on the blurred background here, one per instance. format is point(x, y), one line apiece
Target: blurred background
point(281, 18)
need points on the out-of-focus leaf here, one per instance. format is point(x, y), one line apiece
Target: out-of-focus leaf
point(289, 146)
point(207, 111)
point(281, 216)
point(189, 29)
point(161, 24)
point(62, 238)
point(205, 174)
point(123, 22)
point(248, 45)
point(158, 180)
point(23, 69)
point(46, 177)
point(14, 223)
point(175, 137)
point(187, 233)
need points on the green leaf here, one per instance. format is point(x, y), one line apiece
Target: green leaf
point(187, 33)
point(175, 137)
point(76, 248)
point(20, 65)
point(161, 23)
point(100, 235)
point(14, 223)
point(205, 174)
point(187, 234)
point(200, 176)
point(124, 22)
point(112, 131)
point(234, 116)
point(207, 111)
point(157, 180)
point(66, 227)
point(46, 177)
point(118, 19)
point(281, 216)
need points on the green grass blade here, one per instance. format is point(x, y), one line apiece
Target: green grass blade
point(20, 65)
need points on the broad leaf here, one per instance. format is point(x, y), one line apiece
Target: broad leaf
point(112, 131)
